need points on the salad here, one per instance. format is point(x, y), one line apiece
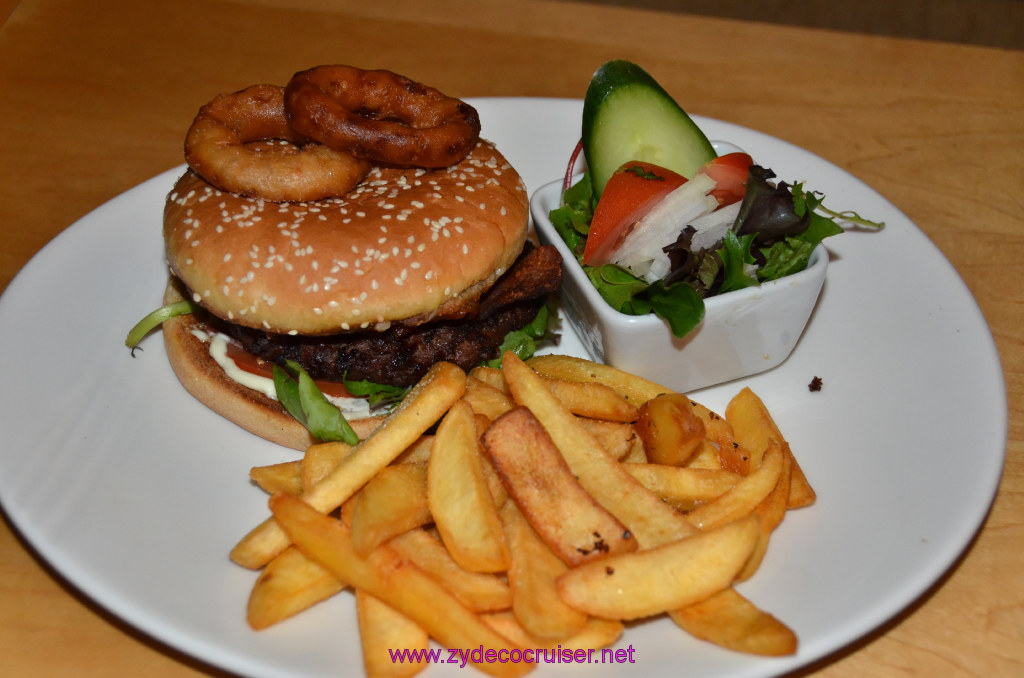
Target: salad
point(660, 222)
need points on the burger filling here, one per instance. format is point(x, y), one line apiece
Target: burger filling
point(402, 354)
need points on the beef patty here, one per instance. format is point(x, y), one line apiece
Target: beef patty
point(403, 353)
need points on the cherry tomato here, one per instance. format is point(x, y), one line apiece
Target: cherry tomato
point(629, 195)
point(248, 362)
point(729, 172)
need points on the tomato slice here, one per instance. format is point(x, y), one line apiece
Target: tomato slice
point(730, 174)
point(254, 365)
point(630, 194)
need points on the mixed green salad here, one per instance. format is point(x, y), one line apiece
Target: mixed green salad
point(660, 222)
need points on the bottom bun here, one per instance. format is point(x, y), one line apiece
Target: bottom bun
point(201, 376)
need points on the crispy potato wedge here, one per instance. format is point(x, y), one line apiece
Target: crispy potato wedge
point(531, 577)
point(284, 477)
point(649, 520)
point(682, 487)
point(479, 591)
point(636, 390)
point(388, 577)
point(671, 431)
point(771, 511)
point(754, 427)
point(290, 583)
point(570, 521)
point(744, 496)
point(490, 375)
point(383, 629)
point(595, 634)
point(424, 405)
point(663, 578)
point(706, 457)
point(320, 459)
point(592, 400)
point(618, 438)
point(418, 452)
point(459, 496)
point(486, 399)
point(729, 620)
point(393, 502)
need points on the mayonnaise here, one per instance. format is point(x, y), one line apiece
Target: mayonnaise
point(352, 408)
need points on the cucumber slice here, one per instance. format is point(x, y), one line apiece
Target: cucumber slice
point(628, 116)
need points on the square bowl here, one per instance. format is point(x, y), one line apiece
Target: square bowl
point(743, 332)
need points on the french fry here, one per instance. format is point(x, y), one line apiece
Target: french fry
point(570, 521)
point(320, 459)
point(649, 519)
point(459, 497)
point(493, 531)
point(729, 620)
point(658, 528)
point(754, 427)
point(531, 577)
point(416, 453)
point(663, 578)
point(706, 457)
point(771, 511)
point(385, 575)
point(744, 496)
point(683, 487)
point(596, 633)
point(393, 502)
point(283, 477)
point(617, 438)
point(636, 390)
point(383, 629)
point(671, 431)
point(490, 375)
point(422, 407)
point(592, 400)
point(635, 455)
point(479, 591)
point(289, 584)
point(486, 399)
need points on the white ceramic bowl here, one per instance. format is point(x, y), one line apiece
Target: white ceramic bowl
point(743, 332)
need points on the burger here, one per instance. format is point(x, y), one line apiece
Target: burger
point(413, 266)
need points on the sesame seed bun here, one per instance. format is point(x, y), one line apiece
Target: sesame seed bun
point(404, 247)
point(403, 244)
point(199, 373)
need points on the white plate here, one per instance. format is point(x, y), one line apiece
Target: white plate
point(134, 491)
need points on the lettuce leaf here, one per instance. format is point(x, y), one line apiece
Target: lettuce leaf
point(300, 396)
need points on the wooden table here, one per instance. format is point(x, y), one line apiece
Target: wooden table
point(96, 98)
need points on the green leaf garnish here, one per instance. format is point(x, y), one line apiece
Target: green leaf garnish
point(735, 254)
point(300, 396)
point(376, 394)
point(572, 219)
point(156, 318)
point(287, 389)
point(680, 305)
point(523, 342)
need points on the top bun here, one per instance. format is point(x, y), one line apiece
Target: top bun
point(402, 244)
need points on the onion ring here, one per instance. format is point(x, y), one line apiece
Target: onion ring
point(381, 116)
point(242, 143)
